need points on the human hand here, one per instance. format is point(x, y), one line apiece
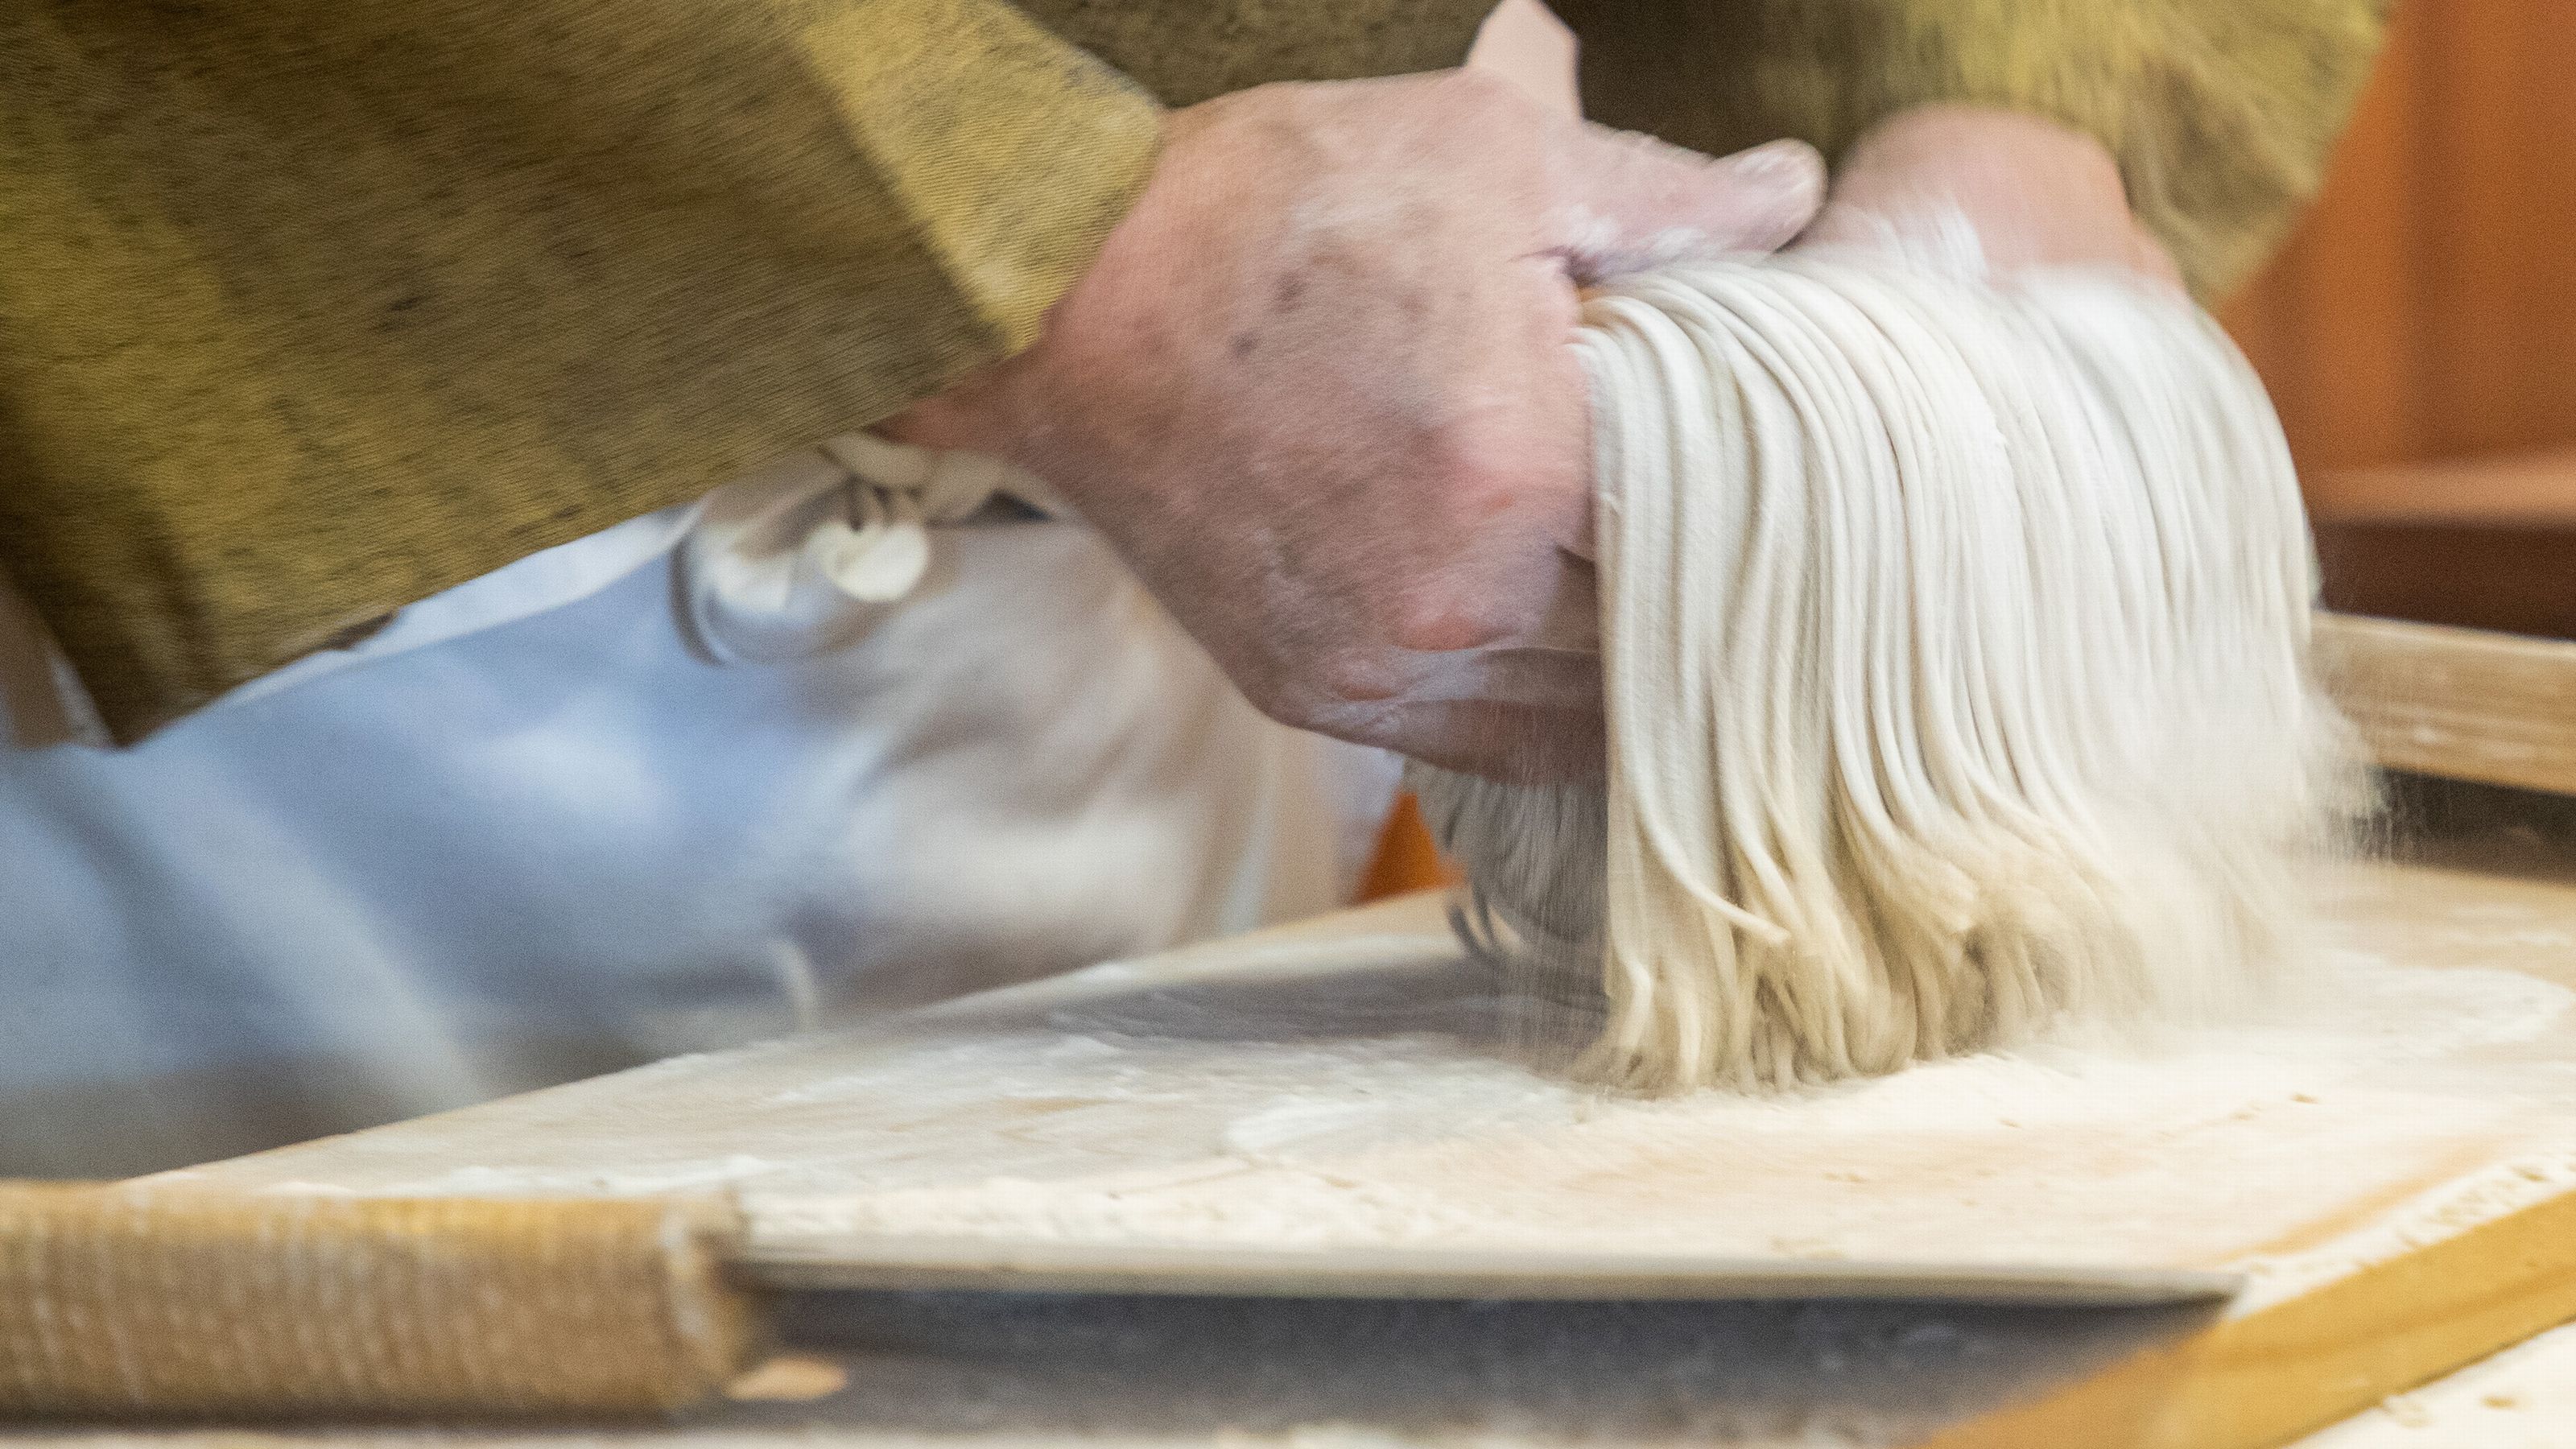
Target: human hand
point(2031, 192)
point(1523, 42)
point(1319, 390)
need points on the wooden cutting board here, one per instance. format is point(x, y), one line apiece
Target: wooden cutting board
point(2380, 1165)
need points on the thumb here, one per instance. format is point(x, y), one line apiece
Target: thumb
point(1523, 42)
point(1632, 202)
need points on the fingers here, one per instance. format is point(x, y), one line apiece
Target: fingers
point(1529, 711)
point(2029, 191)
point(1515, 744)
point(1635, 202)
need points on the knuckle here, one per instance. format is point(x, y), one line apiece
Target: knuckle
point(1500, 462)
point(1359, 675)
point(1469, 461)
point(1442, 618)
point(1475, 89)
point(1302, 689)
point(1485, 105)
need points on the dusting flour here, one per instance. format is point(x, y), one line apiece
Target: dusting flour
point(2148, 1154)
point(1360, 1087)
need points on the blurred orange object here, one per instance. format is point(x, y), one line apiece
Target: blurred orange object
point(2418, 333)
point(2484, 543)
point(2425, 307)
point(1406, 860)
point(2420, 328)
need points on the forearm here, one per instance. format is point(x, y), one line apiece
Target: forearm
point(314, 309)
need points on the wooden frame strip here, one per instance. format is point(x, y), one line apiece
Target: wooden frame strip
point(2262, 1379)
point(2465, 704)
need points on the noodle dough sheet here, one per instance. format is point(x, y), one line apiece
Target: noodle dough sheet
point(1348, 1091)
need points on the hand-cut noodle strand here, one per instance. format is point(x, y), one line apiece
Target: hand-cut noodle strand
point(1954, 635)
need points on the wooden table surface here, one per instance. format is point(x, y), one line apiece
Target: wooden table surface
point(2365, 1165)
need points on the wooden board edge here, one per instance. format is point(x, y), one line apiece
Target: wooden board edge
point(2265, 1378)
point(2464, 704)
point(966, 1264)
